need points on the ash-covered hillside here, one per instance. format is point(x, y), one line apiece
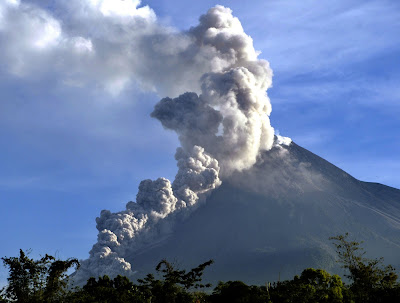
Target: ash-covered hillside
point(274, 220)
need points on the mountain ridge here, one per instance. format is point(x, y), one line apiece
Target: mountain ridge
point(276, 218)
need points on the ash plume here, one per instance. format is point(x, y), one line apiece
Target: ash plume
point(221, 130)
point(219, 106)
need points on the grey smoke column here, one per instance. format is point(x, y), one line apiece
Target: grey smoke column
point(222, 130)
point(230, 119)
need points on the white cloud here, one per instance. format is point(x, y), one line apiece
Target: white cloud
point(122, 8)
point(115, 44)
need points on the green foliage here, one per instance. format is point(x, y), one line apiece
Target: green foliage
point(372, 281)
point(43, 280)
point(314, 285)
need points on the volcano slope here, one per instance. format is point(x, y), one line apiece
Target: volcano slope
point(275, 219)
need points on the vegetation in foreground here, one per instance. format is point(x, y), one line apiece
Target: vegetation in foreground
point(45, 280)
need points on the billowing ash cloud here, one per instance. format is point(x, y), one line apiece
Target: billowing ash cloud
point(230, 119)
point(159, 205)
point(219, 106)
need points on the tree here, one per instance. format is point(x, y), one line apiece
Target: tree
point(175, 284)
point(372, 281)
point(42, 280)
point(56, 278)
point(239, 292)
point(313, 285)
point(106, 290)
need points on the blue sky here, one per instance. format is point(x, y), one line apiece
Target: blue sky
point(71, 150)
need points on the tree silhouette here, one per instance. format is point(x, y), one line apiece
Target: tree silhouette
point(42, 280)
point(372, 281)
point(174, 285)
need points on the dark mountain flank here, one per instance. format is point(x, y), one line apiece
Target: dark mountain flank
point(275, 219)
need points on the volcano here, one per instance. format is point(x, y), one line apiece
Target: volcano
point(275, 219)
point(261, 207)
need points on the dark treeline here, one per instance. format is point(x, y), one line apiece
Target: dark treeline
point(45, 280)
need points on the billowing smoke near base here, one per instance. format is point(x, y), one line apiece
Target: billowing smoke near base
point(159, 204)
point(219, 106)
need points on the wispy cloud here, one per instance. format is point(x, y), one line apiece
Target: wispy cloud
point(324, 35)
